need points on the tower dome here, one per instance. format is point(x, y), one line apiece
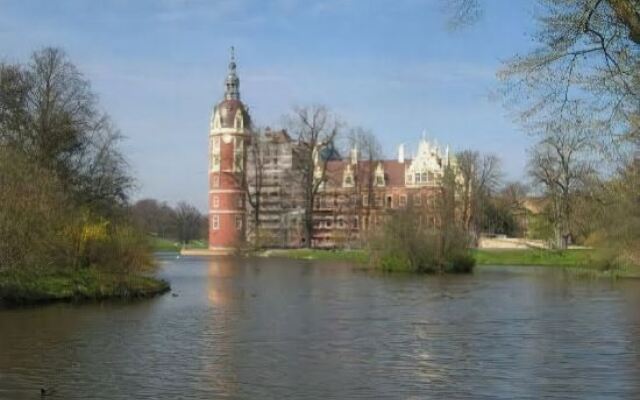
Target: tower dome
point(230, 109)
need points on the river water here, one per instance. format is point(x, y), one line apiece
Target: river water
point(278, 329)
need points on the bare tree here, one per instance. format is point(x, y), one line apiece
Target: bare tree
point(589, 52)
point(315, 130)
point(515, 194)
point(254, 179)
point(479, 177)
point(154, 217)
point(560, 164)
point(462, 12)
point(188, 221)
point(369, 151)
point(49, 114)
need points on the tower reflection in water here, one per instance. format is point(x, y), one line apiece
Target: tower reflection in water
point(220, 357)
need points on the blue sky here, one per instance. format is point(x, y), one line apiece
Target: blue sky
point(387, 65)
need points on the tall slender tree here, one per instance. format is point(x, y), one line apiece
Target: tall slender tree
point(368, 153)
point(315, 130)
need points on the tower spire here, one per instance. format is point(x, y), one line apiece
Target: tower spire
point(232, 83)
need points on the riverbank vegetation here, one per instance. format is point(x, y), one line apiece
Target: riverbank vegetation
point(539, 257)
point(577, 95)
point(27, 286)
point(404, 245)
point(571, 258)
point(65, 227)
point(580, 261)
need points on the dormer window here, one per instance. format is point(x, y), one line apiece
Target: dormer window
point(380, 175)
point(348, 177)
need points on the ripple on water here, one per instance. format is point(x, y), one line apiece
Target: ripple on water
point(294, 329)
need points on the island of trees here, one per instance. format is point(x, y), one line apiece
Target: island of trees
point(65, 228)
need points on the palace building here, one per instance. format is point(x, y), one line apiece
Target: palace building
point(355, 197)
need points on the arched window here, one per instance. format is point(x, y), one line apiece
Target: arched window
point(238, 123)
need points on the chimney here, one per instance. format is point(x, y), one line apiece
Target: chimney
point(401, 154)
point(354, 155)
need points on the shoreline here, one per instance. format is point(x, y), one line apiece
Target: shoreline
point(577, 260)
point(24, 288)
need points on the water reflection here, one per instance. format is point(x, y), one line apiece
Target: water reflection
point(261, 328)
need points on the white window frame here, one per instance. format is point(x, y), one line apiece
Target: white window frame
point(216, 202)
point(215, 222)
point(238, 222)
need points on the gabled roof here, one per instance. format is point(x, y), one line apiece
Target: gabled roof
point(280, 136)
point(394, 172)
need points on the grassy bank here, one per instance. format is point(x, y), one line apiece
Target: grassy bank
point(592, 262)
point(160, 244)
point(18, 287)
point(534, 257)
point(580, 260)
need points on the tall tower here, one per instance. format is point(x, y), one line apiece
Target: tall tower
point(229, 133)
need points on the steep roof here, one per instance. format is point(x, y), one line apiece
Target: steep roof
point(280, 136)
point(228, 109)
point(393, 171)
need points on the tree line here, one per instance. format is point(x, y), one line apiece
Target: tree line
point(182, 223)
point(578, 94)
point(65, 182)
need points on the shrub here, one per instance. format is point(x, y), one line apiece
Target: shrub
point(461, 263)
point(403, 245)
point(40, 228)
point(33, 211)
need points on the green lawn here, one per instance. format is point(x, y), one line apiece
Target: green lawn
point(160, 244)
point(534, 257)
point(21, 287)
